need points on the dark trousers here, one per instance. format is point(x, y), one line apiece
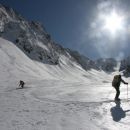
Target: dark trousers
point(21, 85)
point(117, 92)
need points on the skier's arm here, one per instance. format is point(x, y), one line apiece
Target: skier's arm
point(123, 81)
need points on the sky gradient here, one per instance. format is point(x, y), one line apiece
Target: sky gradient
point(75, 24)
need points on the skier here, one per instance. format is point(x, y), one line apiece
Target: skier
point(21, 83)
point(116, 84)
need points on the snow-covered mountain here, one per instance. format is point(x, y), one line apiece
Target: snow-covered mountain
point(15, 63)
point(107, 64)
point(36, 43)
point(85, 62)
point(56, 97)
point(59, 94)
point(125, 66)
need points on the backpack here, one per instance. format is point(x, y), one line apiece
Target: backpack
point(116, 80)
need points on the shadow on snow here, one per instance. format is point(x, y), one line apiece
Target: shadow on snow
point(117, 112)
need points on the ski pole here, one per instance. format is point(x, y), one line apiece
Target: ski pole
point(127, 92)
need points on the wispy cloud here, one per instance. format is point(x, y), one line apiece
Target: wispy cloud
point(106, 43)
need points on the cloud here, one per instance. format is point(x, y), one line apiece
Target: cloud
point(105, 43)
point(104, 5)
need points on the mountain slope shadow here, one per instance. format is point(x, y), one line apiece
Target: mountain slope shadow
point(117, 112)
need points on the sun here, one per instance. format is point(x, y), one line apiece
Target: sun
point(113, 22)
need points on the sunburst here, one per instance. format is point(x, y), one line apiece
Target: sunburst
point(113, 22)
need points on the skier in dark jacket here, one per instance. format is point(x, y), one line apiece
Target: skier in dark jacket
point(21, 83)
point(116, 84)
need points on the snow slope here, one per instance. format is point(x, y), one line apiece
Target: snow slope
point(56, 97)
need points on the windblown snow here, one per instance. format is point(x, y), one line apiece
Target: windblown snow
point(56, 97)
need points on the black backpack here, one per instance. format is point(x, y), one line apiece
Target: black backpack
point(116, 80)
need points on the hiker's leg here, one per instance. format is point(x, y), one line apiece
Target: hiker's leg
point(22, 85)
point(117, 93)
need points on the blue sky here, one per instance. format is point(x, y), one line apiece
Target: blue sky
point(74, 24)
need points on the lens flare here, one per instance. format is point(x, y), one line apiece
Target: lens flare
point(113, 22)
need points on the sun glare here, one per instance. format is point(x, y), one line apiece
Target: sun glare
point(113, 22)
